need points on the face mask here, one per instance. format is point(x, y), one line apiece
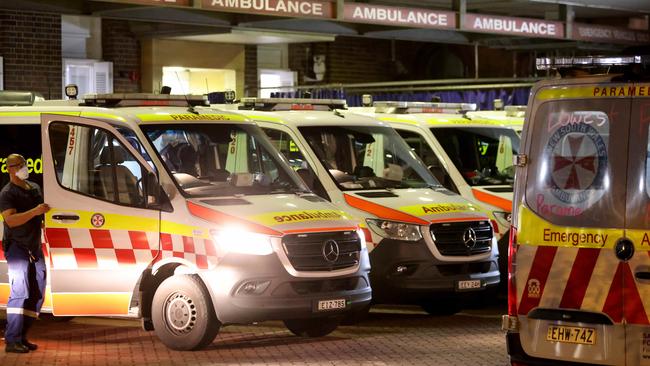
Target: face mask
point(23, 173)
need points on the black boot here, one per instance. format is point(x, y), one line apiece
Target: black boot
point(16, 348)
point(30, 346)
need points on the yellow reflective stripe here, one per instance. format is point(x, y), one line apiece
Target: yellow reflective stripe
point(124, 222)
point(35, 114)
point(265, 118)
point(595, 91)
point(397, 120)
point(169, 227)
point(111, 221)
point(159, 117)
point(95, 303)
point(640, 238)
point(102, 115)
point(439, 208)
point(292, 217)
point(533, 230)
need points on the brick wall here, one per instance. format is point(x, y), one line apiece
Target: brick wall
point(355, 59)
point(30, 44)
point(251, 81)
point(120, 46)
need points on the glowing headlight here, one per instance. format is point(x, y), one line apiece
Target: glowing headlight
point(395, 230)
point(238, 240)
point(503, 218)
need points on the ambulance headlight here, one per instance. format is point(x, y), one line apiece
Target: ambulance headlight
point(503, 218)
point(395, 230)
point(239, 241)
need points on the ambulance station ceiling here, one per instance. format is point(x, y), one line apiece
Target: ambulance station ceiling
point(540, 25)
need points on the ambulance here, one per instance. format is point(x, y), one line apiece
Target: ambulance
point(579, 288)
point(470, 152)
point(427, 245)
point(167, 210)
point(511, 115)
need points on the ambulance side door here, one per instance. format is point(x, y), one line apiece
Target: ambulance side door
point(635, 271)
point(101, 231)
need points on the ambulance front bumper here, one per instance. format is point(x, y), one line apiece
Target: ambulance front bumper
point(407, 272)
point(248, 288)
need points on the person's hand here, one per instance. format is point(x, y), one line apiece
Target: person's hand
point(41, 209)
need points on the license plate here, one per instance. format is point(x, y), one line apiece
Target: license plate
point(325, 305)
point(469, 285)
point(577, 335)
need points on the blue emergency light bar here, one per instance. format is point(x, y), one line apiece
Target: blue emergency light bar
point(288, 104)
point(144, 99)
point(422, 107)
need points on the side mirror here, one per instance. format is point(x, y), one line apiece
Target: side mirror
point(156, 197)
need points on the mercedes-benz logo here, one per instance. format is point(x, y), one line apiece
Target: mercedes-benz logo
point(331, 250)
point(469, 238)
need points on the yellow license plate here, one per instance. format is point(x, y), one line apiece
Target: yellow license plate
point(578, 335)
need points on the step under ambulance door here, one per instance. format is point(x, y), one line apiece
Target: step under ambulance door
point(634, 270)
point(99, 232)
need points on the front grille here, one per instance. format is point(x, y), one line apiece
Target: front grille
point(449, 237)
point(305, 251)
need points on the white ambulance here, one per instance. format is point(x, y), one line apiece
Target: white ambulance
point(188, 218)
point(471, 156)
point(427, 245)
point(579, 290)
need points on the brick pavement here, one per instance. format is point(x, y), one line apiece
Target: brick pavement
point(390, 336)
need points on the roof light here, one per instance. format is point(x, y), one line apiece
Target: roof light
point(71, 91)
point(142, 99)
point(546, 63)
point(422, 107)
point(515, 110)
point(285, 104)
point(18, 98)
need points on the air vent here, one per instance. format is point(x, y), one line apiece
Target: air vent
point(382, 194)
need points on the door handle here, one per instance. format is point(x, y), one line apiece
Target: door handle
point(68, 217)
point(642, 275)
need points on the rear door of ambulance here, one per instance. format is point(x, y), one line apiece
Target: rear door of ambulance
point(573, 282)
point(636, 273)
point(99, 233)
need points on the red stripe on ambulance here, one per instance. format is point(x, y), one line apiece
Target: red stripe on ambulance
point(537, 279)
point(576, 287)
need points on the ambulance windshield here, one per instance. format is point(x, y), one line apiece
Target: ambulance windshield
point(222, 159)
point(367, 157)
point(483, 155)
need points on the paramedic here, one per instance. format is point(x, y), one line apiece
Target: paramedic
point(22, 208)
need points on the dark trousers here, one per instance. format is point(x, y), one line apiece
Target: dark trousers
point(27, 287)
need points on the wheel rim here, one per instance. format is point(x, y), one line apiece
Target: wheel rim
point(180, 313)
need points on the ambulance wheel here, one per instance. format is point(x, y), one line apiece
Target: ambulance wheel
point(183, 315)
point(317, 327)
point(441, 307)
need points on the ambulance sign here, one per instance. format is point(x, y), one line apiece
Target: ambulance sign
point(296, 8)
point(399, 16)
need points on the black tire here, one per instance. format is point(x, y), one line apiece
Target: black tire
point(315, 327)
point(441, 307)
point(183, 315)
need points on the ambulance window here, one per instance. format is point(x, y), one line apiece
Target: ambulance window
point(25, 140)
point(574, 178)
point(133, 140)
point(483, 155)
point(285, 144)
point(90, 161)
point(422, 149)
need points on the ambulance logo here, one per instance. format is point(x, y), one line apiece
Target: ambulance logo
point(534, 288)
point(97, 220)
point(578, 162)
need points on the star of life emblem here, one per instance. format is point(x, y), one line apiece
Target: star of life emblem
point(97, 220)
